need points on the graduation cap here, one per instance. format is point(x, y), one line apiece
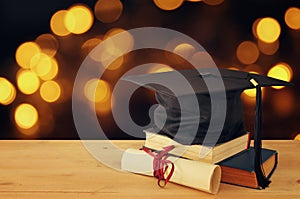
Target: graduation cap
point(176, 92)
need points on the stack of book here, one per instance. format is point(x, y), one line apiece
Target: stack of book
point(215, 92)
point(235, 159)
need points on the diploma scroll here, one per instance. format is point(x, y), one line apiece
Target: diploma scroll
point(198, 175)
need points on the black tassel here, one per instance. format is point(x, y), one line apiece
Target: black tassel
point(262, 180)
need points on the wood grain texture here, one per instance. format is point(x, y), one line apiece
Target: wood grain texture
point(65, 169)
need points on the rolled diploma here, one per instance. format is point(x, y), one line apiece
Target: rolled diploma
point(199, 175)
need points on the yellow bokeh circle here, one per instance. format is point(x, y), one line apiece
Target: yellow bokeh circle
point(97, 90)
point(50, 91)
point(26, 116)
point(42, 64)
point(281, 71)
point(79, 19)
point(7, 91)
point(268, 30)
point(28, 82)
point(52, 72)
point(297, 137)
point(25, 52)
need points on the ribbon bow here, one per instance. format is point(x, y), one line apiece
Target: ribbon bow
point(161, 164)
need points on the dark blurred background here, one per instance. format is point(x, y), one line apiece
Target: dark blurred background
point(43, 43)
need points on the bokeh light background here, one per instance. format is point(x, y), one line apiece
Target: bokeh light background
point(43, 43)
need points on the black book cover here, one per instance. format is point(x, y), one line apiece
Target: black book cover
point(245, 159)
point(239, 169)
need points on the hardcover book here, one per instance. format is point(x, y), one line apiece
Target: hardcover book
point(215, 154)
point(239, 169)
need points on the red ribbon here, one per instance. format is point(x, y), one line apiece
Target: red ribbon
point(161, 164)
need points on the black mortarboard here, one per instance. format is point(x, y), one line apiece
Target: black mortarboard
point(214, 89)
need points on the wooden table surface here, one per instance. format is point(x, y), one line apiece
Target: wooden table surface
point(64, 169)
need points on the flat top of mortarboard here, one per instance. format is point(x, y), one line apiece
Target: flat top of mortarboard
point(233, 80)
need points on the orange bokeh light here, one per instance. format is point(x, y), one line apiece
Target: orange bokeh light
point(57, 23)
point(292, 18)
point(90, 44)
point(268, 48)
point(108, 11)
point(213, 2)
point(247, 52)
point(48, 44)
point(168, 4)
point(254, 27)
